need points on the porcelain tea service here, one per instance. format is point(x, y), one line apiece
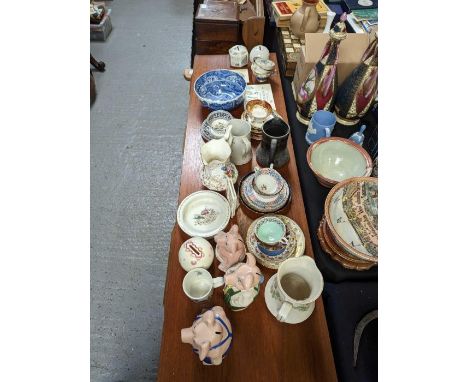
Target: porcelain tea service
point(264, 191)
point(257, 112)
point(290, 294)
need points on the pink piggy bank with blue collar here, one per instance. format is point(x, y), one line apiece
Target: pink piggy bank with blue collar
point(210, 336)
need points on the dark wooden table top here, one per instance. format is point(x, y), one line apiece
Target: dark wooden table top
point(263, 349)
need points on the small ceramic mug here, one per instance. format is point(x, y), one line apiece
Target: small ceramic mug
point(198, 284)
point(321, 125)
point(297, 285)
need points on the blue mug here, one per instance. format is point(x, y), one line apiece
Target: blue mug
point(320, 125)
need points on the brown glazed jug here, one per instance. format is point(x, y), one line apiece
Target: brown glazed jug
point(274, 145)
point(306, 19)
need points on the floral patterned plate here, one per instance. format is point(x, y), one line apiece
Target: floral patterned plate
point(213, 175)
point(203, 214)
point(295, 247)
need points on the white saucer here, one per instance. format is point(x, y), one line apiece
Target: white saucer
point(274, 305)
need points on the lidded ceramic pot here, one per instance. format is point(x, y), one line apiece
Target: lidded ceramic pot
point(259, 51)
point(196, 252)
point(238, 56)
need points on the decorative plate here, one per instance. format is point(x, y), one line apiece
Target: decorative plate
point(203, 213)
point(213, 175)
point(214, 126)
point(351, 213)
point(295, 247)
point(220, 89)
point(262, 203)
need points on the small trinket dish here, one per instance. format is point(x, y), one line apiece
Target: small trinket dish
point(213, 175)
point(203, 214)
point(196, 252)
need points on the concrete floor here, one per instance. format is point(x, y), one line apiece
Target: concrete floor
point(137, 127)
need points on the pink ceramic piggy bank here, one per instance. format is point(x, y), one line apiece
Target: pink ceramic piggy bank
point(230, 248)
point(210, 336)
point(243, 276)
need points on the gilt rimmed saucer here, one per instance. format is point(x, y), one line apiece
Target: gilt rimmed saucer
point(213, 175)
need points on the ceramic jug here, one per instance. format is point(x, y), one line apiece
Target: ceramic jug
point(274, 145)
point(216, 149)
point(210, 336)
point(241, 148)
point(306, 19)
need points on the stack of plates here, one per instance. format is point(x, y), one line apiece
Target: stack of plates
point(348, 231)
point(262, 204)
point(294, 248)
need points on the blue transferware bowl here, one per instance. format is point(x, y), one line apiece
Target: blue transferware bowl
point(220, 89)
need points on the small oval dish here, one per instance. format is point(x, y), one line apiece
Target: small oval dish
point(335, 159)
point(203, 214)
point(220, 89)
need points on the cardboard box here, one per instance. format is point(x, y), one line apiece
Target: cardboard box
point(349, 55)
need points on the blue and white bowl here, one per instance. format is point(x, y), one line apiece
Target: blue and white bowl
point(220, 89)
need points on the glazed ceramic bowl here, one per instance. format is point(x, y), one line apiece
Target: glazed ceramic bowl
point(351, 214)
point(220, 89)
point(335, 159)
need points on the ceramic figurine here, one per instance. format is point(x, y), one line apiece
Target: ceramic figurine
point(318, 90)
point(358, 137)
point(358, 92)
point(230, 248)
point(306, 19)
point(242, 284)
point(210, 336)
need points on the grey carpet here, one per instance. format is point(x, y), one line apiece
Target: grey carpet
point(137, 127)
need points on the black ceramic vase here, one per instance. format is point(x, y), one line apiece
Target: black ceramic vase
point(274, 145)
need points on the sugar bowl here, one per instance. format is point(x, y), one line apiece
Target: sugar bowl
point(262, 68)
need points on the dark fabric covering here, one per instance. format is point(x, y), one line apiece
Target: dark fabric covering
point(346, 304)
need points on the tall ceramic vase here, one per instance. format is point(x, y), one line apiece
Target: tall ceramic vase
point(306, 19)
point(358, 92)
point(318, 90)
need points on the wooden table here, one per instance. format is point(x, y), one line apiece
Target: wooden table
point(263, 349)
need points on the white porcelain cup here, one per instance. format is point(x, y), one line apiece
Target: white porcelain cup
point(198, 284)
point(299, 283)
point(259, 51)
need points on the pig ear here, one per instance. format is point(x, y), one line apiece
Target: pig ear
point(235, 228)
point(204, 349)
point(209, 317)
point(250, 260)
point(217, 237)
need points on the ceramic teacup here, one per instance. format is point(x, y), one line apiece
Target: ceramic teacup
point(321, 125)
point(294, 289)
point(258, 111)
point(198, 284)
point(267, 181)
point(271, 230)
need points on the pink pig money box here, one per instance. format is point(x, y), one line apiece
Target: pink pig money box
point(230, 248)
point(210, 336)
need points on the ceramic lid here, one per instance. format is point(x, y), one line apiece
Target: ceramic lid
point(264, 63)
point(238, 50)
point(196, 252)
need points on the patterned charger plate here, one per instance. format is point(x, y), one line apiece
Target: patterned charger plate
point(295, 247)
